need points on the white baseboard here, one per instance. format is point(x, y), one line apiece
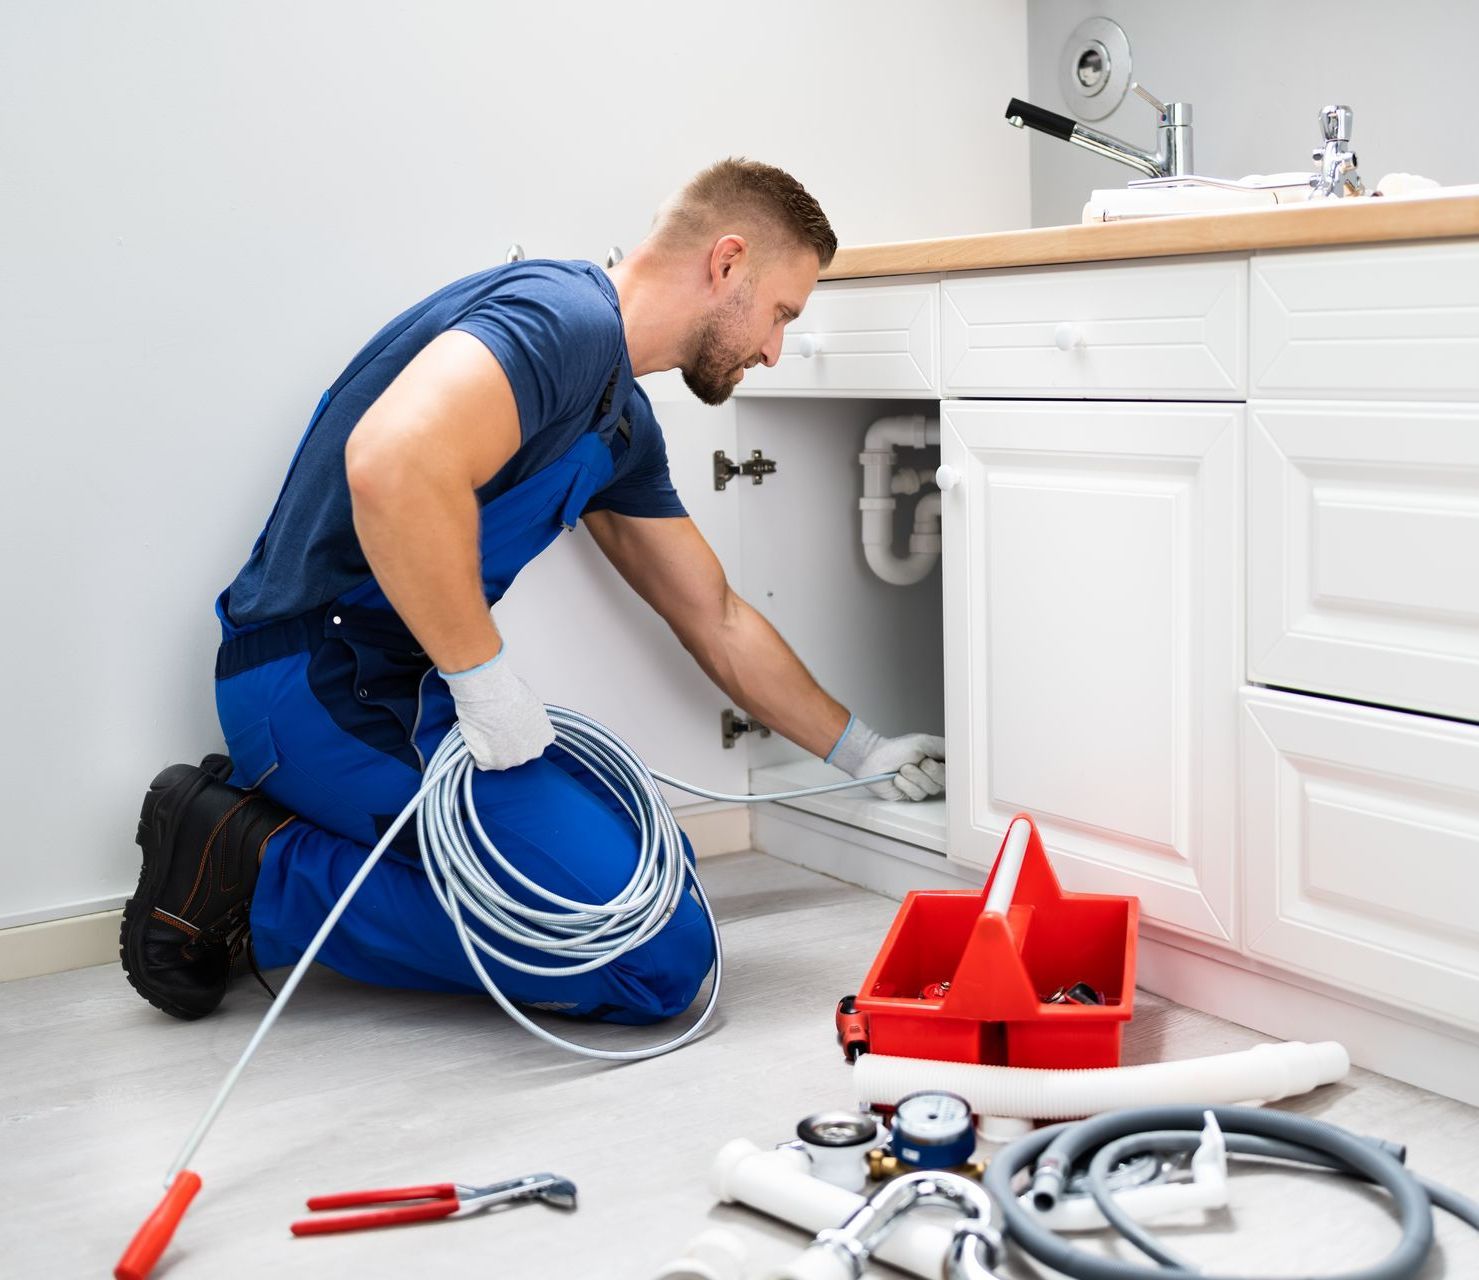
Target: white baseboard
point(62, 911)
point(1426, 1055)
point(30, 950)
point(78, 940)
point(1429, 1057)
point(864, 858)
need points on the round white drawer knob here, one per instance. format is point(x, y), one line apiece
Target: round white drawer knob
point(808, 345)
point(947, 477)
point(1068, 336)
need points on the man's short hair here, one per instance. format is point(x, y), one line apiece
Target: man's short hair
point(746, 190)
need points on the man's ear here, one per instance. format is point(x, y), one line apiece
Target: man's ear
point(730, 252)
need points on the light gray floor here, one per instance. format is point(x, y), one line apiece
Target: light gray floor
point(362, 1088)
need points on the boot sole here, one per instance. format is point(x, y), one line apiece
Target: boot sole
point(173, 788)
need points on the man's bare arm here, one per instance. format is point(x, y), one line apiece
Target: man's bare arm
point(670, 564)
point(442, 429)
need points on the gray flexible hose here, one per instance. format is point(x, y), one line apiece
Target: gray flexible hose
point(1110, 1155)
point(1248, 1130)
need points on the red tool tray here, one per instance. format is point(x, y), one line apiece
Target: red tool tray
point(1000, 968)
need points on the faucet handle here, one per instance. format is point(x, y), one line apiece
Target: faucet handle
point(1148, 96)
point(1168, 113)
point(1335, 123)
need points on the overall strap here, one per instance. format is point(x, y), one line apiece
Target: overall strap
point(623, 427)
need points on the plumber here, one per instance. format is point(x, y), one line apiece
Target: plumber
point(452, 450)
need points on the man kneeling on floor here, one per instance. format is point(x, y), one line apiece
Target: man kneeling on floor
point(452, 450)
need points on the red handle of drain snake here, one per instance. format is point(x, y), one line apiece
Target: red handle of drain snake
point(153, 1237)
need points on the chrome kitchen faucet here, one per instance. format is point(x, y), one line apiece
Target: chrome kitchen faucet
point(1171, 158)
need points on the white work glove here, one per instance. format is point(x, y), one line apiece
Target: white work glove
point(917, 761)
point(502, 722)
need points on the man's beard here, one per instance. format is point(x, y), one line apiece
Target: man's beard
point(713, 371)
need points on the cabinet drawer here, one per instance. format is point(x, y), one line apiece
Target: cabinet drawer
point(1400, 322)
point(1361, 833)
point(858, 338)
point(1167, 330)
point(1363, 552)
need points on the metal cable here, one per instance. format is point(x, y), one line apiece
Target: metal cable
point(576, 936)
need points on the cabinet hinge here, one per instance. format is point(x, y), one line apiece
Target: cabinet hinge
point(726, 468)
point(733, 727)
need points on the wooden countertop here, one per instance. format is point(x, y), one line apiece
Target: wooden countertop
point(1286, 226)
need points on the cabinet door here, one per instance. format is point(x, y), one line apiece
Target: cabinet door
point(582, 638)
point(1092, 650)
point(1362, 832)
point(1363, 552)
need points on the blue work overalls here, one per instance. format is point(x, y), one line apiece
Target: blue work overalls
point(334, 713)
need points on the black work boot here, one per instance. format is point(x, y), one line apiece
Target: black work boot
point(188, 921)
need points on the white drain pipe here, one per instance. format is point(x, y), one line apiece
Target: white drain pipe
point(1264, 1073)
point(779, 1184)
point(880, 483)
point(715, 1254)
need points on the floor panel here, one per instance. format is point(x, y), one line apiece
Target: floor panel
point(359, 1087)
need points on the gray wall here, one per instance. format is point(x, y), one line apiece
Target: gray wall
point(207, 207)
point(1257, 72)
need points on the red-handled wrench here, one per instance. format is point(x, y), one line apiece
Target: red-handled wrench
point(439, 1200)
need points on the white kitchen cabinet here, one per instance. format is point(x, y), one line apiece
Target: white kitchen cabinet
point(1092, 645)
point(1362, 830)
point(1155, 599)
point(1168, 330)
point(1096, 652)
point(1379, 321)
point(858, 338)
point(1363, 552)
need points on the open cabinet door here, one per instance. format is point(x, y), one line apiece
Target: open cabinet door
point(583, 639)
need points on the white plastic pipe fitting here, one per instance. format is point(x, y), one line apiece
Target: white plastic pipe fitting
point(925, 540)
point(907, 481)
point(837, 1144)
point(1151, 1201)
point(1265, 1073)
point(880, 483)
point(842, 1252)
point(816, 1265)
point(715, 1254)
point(901, 431)
point(779, 1184)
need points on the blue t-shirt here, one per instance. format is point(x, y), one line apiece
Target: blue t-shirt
point(556, 329)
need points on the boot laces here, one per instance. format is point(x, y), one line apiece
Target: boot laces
point(234, 931)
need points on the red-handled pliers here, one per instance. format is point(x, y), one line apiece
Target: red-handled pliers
point(441, 1200)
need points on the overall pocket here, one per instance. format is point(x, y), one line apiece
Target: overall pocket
point(370, 691)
